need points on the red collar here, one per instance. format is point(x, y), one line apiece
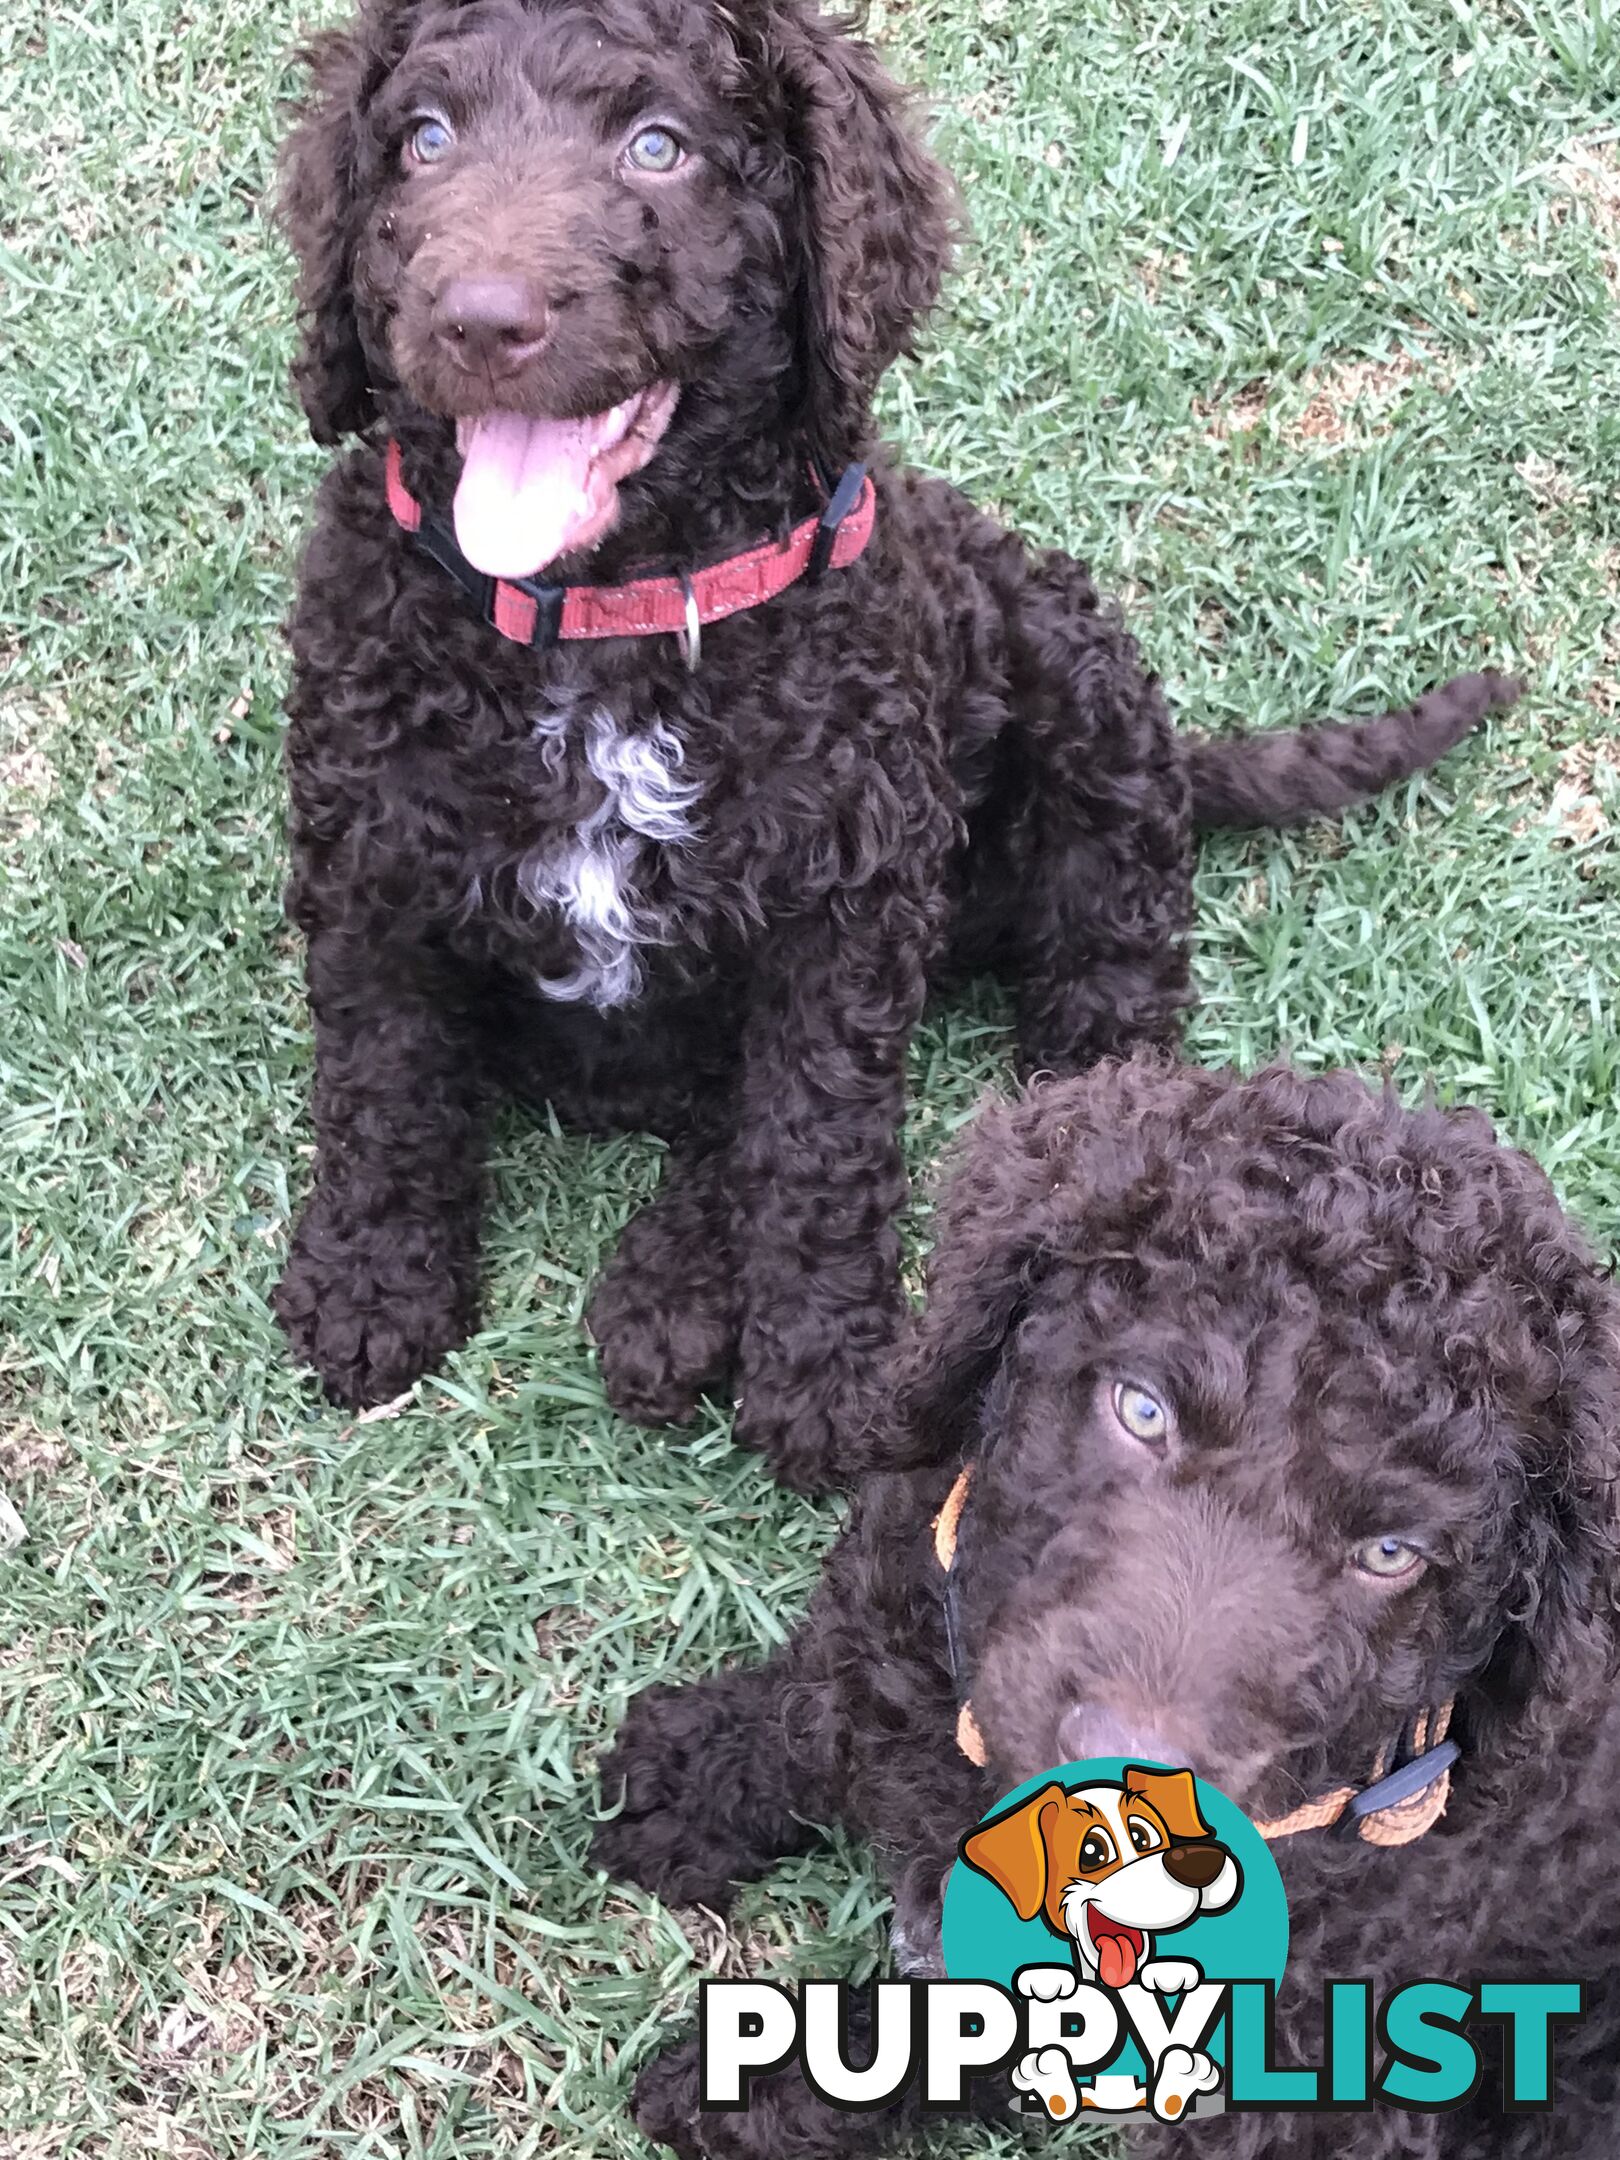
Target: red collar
point(531, 612)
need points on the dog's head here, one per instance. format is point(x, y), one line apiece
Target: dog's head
point(602, 236)
point(1292, 1411)
point(1109, 1866)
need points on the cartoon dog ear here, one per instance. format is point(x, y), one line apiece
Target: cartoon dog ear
point(1012, 1850)
point(878, 219)
point(1173, 1797)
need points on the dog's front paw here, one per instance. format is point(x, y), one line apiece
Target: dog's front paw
point(661, 1346)
point(364, 1311)
point(1046, 1983)
point(1048, 2074)
point(665, 1311)
point(665, 2103)
point(667, 1836)
point(813, 1436)
point(1180, 2076)
point(1170, 1976)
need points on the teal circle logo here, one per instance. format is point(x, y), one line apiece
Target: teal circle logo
point(1119, 1901)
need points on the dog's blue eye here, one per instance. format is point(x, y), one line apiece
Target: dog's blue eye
point(1143, 1416)
point(655, 150)
point(431, 139)
point(1389, 1558)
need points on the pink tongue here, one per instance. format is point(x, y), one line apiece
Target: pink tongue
point(1116, 1961)
point(525, 490)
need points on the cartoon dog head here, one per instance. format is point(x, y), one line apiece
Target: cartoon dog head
point(1108, 1866)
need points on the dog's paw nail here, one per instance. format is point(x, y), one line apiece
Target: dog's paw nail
point(1046, 1983)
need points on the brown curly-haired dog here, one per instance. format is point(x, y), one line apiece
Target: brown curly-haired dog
point(618, 279)
point(1289, 1411)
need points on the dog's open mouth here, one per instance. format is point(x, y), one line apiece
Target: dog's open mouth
point(1119, 1948)
point(531, 490)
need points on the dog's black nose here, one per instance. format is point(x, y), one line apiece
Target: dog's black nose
point(1195, 1867)
point(491, 325)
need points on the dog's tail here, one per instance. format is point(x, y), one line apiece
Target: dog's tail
point(1281, 776)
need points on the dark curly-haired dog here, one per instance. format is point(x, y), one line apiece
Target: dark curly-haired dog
point(618, 278)
point(1290, 1413)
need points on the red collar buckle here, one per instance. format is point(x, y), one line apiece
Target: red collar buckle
point(533, 612)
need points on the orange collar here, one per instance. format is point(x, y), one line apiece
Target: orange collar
point(1405, 1796)
point(531, 612)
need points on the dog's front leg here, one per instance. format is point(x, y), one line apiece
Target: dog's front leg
point(664, 1309)
point(819, 1179)
point(713, 1783)
point(382, 1277)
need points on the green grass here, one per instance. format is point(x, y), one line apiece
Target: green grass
point(1300, 323)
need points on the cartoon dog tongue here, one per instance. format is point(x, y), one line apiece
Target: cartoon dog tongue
point(531, 490)
point(1118, 1949)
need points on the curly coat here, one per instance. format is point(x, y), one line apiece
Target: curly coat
point(705, 905)
point(1365, 1321)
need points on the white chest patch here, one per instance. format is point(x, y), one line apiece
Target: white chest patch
point(589, 873)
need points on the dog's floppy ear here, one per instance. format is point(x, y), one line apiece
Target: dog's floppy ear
point(989, 1232)
point(1052, 1177)
point(878, 218)
point(1173, 1797)
point(1012, 1850)
point(316, 207)
point(1562, 1641)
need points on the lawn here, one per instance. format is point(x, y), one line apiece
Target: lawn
point(1300, 323)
